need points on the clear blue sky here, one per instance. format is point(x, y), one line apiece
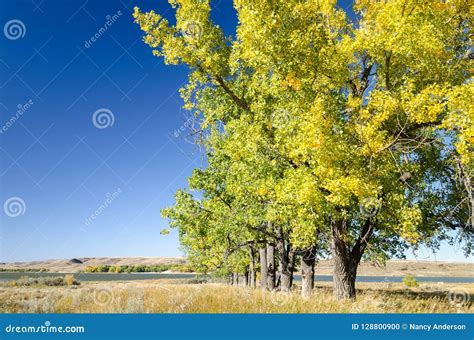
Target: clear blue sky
point(59, 163)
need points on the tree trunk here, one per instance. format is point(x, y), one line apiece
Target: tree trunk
point(277, 280)
point(292, 259)
point(345, 272)
point(263, 268)
point(308, 260)
point(270, 267)
point(286, 255)
point(346, 259)
point(235, 279)
point(283, 267)
point(252, 269)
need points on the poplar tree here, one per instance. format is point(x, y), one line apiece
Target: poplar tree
point(346, 135)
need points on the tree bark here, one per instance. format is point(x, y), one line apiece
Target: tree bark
point(245, 277)
point(285, 258)
point(235, 279)
point(252, 269)
point(270, 267)
point(291, 262)
point(345, 273)
point(263, 268)
point(283, 267)
point(308, 259)
point(347, 259)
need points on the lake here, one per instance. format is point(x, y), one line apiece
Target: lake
point(7, 276)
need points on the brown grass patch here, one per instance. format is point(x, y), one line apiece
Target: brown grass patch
point(160, 296)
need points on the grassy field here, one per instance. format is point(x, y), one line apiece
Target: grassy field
point(177, 296)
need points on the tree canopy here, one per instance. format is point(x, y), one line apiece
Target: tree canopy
point(349, 136)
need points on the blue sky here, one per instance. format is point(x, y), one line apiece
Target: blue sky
point(84, 190)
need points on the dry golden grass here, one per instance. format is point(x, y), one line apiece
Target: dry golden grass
point(167, 296)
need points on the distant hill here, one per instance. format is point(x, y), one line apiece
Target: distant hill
point(79, 264)
point(403, 267)
point(393, 268)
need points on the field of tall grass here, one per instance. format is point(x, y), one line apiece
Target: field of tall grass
point(173, 296)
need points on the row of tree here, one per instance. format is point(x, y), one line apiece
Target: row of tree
point(326, 134)
point(138, 268)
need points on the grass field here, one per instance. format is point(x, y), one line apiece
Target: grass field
point(175, 296)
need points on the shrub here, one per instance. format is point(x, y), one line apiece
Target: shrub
point(139, 268)
point(23, 270)
point(182, 268)
point(44, 281)
point(48, 281)
point(69, 280)
point(90, 269)
point(410, 281)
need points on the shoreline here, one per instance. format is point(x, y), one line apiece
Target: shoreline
point(392, 268)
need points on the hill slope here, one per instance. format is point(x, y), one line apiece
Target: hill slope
point(393, 268)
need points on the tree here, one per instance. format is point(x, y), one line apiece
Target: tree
point(354, 133)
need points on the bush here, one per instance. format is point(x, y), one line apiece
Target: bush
point(139, 268)
point(182, 268)
point(23, 270)
point(90, 269)
point(69, 280)
point(44, 281)
point(410, 281)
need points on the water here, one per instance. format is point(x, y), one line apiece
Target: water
point(7, 276)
